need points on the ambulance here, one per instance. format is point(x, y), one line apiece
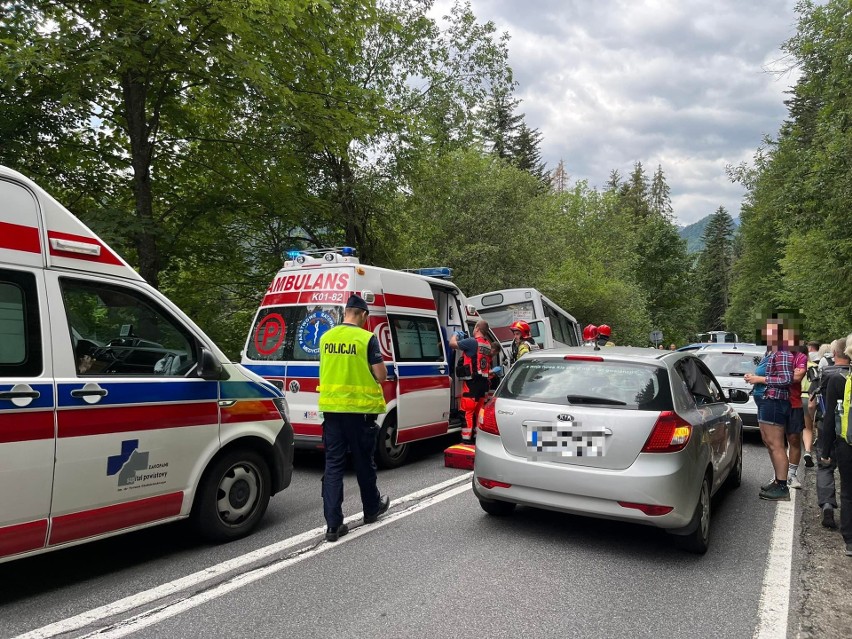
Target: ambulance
point(116, 411)
point(412, 314)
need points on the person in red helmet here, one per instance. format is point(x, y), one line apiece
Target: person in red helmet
point(604, 333)
point(590, 334)
point(523, 342)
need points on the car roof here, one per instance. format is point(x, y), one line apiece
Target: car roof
point(620, 353)
point(733, 348)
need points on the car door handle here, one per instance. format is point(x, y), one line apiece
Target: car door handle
point(89, 392)
point(31, 394)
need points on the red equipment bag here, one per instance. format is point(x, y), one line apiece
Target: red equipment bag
point(460, 456)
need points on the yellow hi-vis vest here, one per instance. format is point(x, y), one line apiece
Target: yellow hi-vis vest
point(346, 382)
point(843, 424)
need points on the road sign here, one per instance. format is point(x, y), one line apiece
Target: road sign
point(656, 336)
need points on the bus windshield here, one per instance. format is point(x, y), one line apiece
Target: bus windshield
point(506, 315)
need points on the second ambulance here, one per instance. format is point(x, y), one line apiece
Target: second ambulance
point(411, 313)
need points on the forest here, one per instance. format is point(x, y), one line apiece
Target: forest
point(204, 139)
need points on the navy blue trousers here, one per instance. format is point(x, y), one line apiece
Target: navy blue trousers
point(357, 433)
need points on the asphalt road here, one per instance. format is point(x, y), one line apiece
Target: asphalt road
point(445, 568)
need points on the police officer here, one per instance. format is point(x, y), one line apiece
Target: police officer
point(350, 397)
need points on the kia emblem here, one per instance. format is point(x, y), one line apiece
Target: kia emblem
point(565, 418)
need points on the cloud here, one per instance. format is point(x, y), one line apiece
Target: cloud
point(687, 85)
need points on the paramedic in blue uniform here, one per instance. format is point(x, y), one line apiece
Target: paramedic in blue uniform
point(350, 396)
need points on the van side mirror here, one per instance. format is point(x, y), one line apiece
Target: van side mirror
point(737, 396)
point(209, 367)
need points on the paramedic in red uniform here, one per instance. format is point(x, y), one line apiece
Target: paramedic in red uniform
point(476, 353)
point(350, 395)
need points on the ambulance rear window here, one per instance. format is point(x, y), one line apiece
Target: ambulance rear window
point(291, 333)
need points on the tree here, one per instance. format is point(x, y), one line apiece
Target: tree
point(502, 125)
point(559, 178)
point(714, 269)
point(660, 197)
point(526, 153)
point(140, 83)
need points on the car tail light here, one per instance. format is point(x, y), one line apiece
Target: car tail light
point(671, 433)
point(648, 509)
point(488, 419)
point(492, 483)
point(584, 358)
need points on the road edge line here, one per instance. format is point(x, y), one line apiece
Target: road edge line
point(774, 607)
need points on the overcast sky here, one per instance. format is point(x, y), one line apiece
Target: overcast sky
point(682, 83)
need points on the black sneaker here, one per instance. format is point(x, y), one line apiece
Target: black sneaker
point(776, 492)
point(828, 517)
point(333, 534)
point(809, 460)
point(766, 487)
point(384, 504)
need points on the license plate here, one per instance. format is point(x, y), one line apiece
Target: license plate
point(564, 441)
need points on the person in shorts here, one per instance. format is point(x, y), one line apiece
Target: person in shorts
point(796, 423)
point(774, 411)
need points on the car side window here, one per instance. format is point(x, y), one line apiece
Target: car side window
point(716, 393)
point(20, 334)
point(120, 331)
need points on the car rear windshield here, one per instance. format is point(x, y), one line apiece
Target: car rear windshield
point(729, 364)
point(615, 384)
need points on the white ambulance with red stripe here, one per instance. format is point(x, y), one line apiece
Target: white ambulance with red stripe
point(116, 411)
point(412, 313)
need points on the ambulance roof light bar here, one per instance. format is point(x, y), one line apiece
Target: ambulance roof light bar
point(440, 272)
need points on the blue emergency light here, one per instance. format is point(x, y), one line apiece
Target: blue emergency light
point(442, 272)
point(347, 251)
point(292, 255)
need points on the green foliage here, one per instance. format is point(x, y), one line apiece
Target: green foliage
point(796, 236)
point(713, 270)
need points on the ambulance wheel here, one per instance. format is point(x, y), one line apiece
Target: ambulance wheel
point(233, 496)
point(388, 453)
point(497, 508)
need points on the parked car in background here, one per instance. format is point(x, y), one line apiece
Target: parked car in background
point(729, 363)
point(638, 435)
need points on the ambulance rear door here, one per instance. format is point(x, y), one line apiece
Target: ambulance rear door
point(420, 357)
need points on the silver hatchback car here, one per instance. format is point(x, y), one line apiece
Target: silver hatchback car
point(638, 435)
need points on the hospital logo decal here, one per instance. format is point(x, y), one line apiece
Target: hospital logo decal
point(133, 467)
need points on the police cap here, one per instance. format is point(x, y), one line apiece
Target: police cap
point(356, 301)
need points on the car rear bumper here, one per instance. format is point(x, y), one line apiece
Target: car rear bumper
point(657, 479)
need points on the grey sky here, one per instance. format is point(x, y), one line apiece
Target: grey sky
point(684, 84)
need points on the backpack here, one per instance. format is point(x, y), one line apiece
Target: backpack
point(841, 415)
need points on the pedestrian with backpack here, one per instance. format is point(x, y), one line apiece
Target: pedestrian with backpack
point(831, 386)
point(474, 368)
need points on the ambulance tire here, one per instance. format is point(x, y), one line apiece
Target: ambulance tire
point(388, 453)
point(232, 496)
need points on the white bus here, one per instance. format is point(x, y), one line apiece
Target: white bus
point(550, 325)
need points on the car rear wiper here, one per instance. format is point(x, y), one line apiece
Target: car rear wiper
point(585, 399)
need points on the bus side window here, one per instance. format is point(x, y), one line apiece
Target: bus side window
point(555, 325)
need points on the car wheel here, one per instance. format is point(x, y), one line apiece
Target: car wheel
point(497, 508)
point(735, 477)
point(232, 496)
point(388, 453)
point(699, 539)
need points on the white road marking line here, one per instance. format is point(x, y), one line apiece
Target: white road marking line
point(774, 605)
point(195, 579)
point(149, 618)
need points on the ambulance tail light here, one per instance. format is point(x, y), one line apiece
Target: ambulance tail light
point(488, 419)
point(283, 408)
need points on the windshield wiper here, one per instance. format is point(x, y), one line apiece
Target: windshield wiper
point(585, 399)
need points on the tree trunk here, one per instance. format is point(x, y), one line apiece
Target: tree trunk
point(141, 148)
point(354, 221)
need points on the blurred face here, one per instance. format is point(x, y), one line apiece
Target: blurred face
point(790, 337)
point(516, 335)
point(772, 334)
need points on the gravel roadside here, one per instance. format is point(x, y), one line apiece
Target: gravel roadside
point(822, 577)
